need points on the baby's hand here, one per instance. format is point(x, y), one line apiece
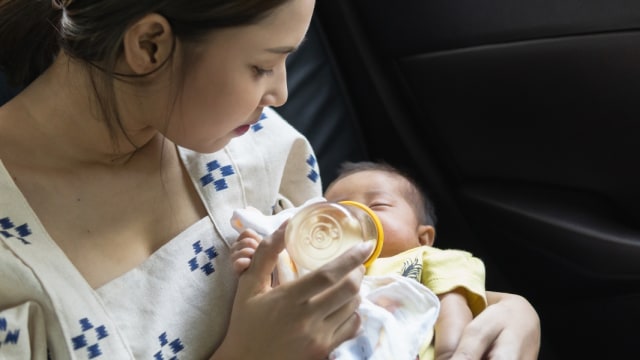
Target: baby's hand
point(243, 249)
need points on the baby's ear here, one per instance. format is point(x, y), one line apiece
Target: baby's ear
point(426, 234)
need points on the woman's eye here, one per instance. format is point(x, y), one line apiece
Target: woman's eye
point(262, 71)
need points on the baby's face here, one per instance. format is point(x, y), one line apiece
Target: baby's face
point(382, 192)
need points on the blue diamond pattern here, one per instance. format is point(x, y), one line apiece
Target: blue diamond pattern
point(9, 230)
point(8, 336)
point(258, 126)
point(203, 259)
point(216, 175)
point(313, 174)
point(174, 347)
point(90, 338)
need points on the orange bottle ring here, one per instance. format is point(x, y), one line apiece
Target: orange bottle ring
point(376, 220)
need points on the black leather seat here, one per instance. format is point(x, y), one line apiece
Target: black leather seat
point(6, 92)
point(319, 106)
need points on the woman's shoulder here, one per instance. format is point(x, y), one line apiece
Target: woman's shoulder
point(19, 283)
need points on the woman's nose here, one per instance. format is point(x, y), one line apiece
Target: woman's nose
point(277, 92)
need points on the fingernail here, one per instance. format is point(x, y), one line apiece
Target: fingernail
point(366, 247)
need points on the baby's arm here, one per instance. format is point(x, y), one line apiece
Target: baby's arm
point(455, 314)
point(243, 249)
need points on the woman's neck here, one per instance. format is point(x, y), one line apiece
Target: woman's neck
point(56, 121)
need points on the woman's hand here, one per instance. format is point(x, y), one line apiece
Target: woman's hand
point(509, 328)
point(302, 319)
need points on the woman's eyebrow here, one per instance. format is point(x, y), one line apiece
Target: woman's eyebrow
point(282, 49)
point(285, 49)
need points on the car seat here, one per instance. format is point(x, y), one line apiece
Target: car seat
point(318, 105)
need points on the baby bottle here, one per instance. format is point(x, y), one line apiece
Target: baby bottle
point(321, 231)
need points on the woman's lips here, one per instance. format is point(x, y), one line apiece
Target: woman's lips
point(241, 130)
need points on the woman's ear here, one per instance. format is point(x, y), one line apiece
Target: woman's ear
point(426, 234)
point(147, 44)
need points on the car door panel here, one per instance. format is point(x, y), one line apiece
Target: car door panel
point(522, 118)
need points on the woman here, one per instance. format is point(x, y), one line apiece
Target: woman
point(121, 163)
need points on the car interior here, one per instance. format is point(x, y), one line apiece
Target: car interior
point(519, 119)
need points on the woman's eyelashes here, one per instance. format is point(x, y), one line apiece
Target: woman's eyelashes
point(262, 71)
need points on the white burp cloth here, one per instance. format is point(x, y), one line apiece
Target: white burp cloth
point(265, 225)
point(396, 314)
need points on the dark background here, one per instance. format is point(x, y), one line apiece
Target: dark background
point(521, 119)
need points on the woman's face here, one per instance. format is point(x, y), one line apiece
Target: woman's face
point(233, 75)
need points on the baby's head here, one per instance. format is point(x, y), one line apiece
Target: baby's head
point(405, 212)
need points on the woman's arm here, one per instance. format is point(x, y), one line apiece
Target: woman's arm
point(509, 328)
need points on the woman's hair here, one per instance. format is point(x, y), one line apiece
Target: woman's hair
point(32, 32)
point(412, 192)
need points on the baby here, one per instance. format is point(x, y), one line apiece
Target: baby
point(408, 221)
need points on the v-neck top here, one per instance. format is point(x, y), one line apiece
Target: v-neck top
point(177, 303)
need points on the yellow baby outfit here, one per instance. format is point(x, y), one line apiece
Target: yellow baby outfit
point(441, 271)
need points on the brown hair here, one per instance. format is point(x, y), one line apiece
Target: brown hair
point(32, 32)
point(413, 193)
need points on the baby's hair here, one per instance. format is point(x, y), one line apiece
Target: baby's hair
point(413, 192)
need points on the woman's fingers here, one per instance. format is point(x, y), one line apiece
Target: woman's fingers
point(494, 334)
point(346, 322)
point(333, 272)
point(477, 340)
point(506, 347)
point(313, 314)
point(332, 299)
point(336, 308)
